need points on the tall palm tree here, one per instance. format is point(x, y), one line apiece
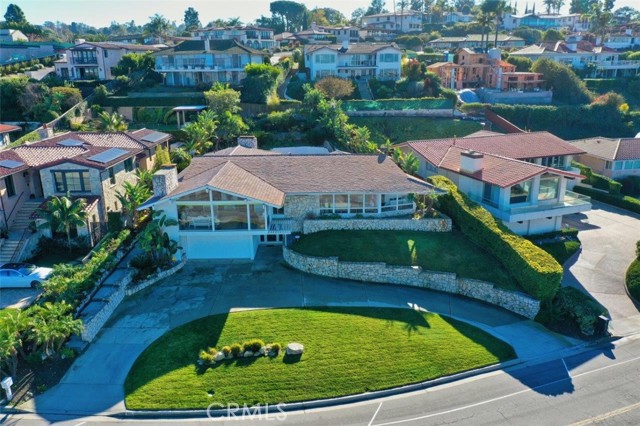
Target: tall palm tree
point(484, 19)
point(495, 8)
point(133, 196)
point(63, 214)
point(600, 19)
point(113, 122)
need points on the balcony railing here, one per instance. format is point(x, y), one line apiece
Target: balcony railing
point(617, 64)
point(572, 201)
point(281, 226)
point(357, 64)
point(84, 61)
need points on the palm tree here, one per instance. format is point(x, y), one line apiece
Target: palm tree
point(132, 197)
point(484, 19)
point(145, 177)
point(495, 8)
point(201, 133)
point(62, 214)
point(157, 26)
point(600, 19)
point(113, 122)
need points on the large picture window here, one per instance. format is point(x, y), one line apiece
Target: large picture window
point(325, 59)
point(520, 192)
point(549, 187)
point(230, 217)
point(71, 181)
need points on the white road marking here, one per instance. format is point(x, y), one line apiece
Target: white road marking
point(489, 401)
point(375, 414)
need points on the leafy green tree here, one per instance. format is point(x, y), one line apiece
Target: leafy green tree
point(201, 133)
point(156, 242)
point(356, 16)
point(161, 158)
point(292, 14)
point(260, 83)
point(63, 214)
point(566, 85)
point(221, 98)
point(51, 324)
point(15, 15)
point(552, 35)
point(157, 26)
point(522, 64)
point(113, 122)
point(376, 7)
point(181, 158)
point(191, 19)
point(530, 35)
point(145, 177)
point(69, 96)
point(132, 196)
point(132, 62)
point(229, 127)
point(600, 18)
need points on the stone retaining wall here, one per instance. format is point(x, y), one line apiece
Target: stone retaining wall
point(92, 326)
point(155, 278)
point(380, 272)
point(427, 225)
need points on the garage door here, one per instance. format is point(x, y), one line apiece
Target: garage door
point(218, 246)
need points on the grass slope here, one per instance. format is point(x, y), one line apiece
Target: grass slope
point(402, 129)
point(444, 252)
point(347, 351)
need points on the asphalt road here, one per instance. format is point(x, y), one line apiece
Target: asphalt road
point(597, 387)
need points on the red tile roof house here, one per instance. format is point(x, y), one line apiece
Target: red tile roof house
point(229, 203)
point(5, 129)
point(88, 165)
point(520, 178)
point(615, 158)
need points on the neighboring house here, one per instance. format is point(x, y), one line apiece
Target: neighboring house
point(18, 51)
point(520, 178)
point(457, 17)
point(250, 36)
point(95, 61)
point(579, 54)
point(476, 41)
point(347, 33)
point(613, 157)
point(379, 60)
point(5, 129)
point(206, 61)
point(7, 34)
point(474, 69)
point(313, 36)
point(622, 41)
point(229, 203)
point(408, 21)
point(135, 39)
point(573, 21)
point(91, 165)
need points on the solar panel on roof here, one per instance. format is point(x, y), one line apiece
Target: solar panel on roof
point(108, 155)
point(10, 164)
point(154, 137)
point(70, 142)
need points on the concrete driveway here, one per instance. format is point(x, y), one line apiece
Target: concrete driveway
point(17, 298)
point(608, 236)
point(94, 384)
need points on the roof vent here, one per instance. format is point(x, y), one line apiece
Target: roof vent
point(70, 142)
point(471, 161)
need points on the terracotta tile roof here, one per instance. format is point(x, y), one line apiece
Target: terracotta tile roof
point(125, 140)
point(270, 177)
point(241, 150)
point(514, 145)
point(36, 156)
point(610, 149)
point(8, 154)
point(5, 128)
point(482, 133)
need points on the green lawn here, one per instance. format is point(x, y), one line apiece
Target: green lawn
point(444, 252)
point(347, 351)
point(402, 129)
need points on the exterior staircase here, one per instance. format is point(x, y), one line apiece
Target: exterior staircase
point(18, 231)
point(364, 89)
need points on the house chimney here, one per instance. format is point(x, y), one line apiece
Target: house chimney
point(165, 180)
point(471, 161)
point(207, 44)
point(248, 141)
point(45, 132)
point(345, 44)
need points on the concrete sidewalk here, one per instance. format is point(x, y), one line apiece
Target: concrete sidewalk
point(94, 384)
point(608, 237)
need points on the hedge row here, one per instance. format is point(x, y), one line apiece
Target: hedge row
point(153, 101)
point(397, 104)
point(535, 270)
point(597, 180)
point(633, 279)
point(622, 201)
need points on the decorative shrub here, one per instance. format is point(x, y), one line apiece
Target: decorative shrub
point(252, 345)
point(572, 304)
point(622, 201)
point(235, 349)
point(226, 350)
point(114, 220)
point(535, 270)
point(275, 347)
point(633, 276)
point(208, 356)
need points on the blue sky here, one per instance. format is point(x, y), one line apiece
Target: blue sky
point(100, 13)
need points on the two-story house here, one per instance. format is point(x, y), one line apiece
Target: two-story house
point(520, 178)
point(205, 61)
point(351, 34)
point(379, 60)
point(250, 36)
point(476, 41)
point(573, 21)
point(580, 54)
point(95, 61)
point(612, 157)
point(408, 21)
point(228, 203)
point(89, 165)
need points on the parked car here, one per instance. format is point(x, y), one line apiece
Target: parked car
point(22, 275)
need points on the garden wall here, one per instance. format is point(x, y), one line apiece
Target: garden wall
point(426, 225)
point(415, 276)
point(404, 113)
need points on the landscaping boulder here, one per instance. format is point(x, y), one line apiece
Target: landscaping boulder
point(295, 349)
point(219, 357)
point(261, 351)
point(248, 354)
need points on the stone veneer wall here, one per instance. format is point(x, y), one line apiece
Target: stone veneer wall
point(380, 272)
point(298, 206)
point(157, 277)
point(427, 225)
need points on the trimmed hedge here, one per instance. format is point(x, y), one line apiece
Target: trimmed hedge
point(633, 279)
point(622, 201)
point(575, 307)
point(153, 101)
point(597, 180)
point(397, 104)
point(535, 270)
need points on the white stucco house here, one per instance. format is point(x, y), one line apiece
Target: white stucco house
point(520, 178)
point(400, 22)
point(230, 202)
point(612, 157)
point(347, 60)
